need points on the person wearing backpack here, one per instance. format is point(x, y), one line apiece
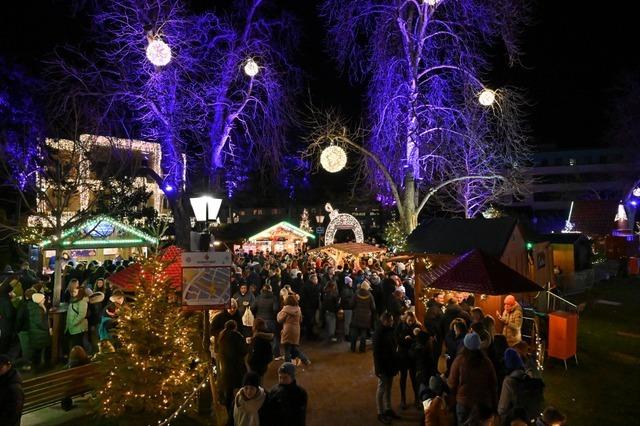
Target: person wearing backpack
point(519, 391)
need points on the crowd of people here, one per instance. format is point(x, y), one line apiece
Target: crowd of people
point(459, 369)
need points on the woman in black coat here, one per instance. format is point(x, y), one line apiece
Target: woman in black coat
point(233, 350)
point(406, 338)
point(260, 354)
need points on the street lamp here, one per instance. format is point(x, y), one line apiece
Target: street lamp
point(205, 208)
point(320, 219)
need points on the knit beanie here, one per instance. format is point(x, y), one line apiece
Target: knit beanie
point(251, 379)
point(436, 385)
point(512, 360)
point(288, 368)
point(472, 342)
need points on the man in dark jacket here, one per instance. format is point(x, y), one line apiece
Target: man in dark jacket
point(11, 394)
point(266, 307)
point(384, 349)
point(286, 402)
point(309, 304)
point(218, 322)
point(364, 309)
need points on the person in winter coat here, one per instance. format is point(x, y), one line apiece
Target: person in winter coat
point(232, 369)
point(77, 324)
point(511, 317)
point(436, 412)
point(330, 306)
point(472, 379)
point(364, 310)
point(286, 403)
point(218, 322)
point(454, 340)
point(405, 356)
point(7, 317)
point(346, 304)
point(260, 354)
point(39, 337)
point(248, 401)
point(290, 317)
point(21, 327)
point(244, 298)
point(266, 308)
point(384, 360)
point(309, 304)
point(11, 394)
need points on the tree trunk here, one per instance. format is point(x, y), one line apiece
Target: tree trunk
point(57, 279)
point(408, 211)
point(181, 223)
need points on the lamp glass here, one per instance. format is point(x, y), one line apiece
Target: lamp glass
point(251, 68)
point(200, 206)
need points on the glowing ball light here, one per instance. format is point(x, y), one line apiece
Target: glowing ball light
point(487, 97)
point(158, 53)
point(636, 192)
point(251, 68)
point(333, 159)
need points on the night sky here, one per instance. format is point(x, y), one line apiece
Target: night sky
point(575, 59)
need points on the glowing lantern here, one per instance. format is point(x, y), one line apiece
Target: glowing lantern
point(333, 159)
point(158, 53)
point(636, 192)
point(251, 68)
point(432, 2)
point(487, 97)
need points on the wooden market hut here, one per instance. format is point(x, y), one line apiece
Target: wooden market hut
point(442, 240)
point(338, 252)
point(100, 238)
point(281, 236)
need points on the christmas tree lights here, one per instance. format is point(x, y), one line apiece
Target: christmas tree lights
point(395, 236)
point(157, 367)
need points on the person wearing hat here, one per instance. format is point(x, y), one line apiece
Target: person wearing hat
point(231, 366)
point(385, 366)
point(519, 391)
point(436, 411)
point(511, 317)
point(248, 401)
point(472, 379)
point(39, 337)
point(286, 402)
point(364, 310)
point(515, 369)
point(346, 306)
point(11, 394)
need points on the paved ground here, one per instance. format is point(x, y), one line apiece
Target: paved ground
point(341, 387)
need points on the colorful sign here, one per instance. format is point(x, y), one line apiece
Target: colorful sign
point(206, 280)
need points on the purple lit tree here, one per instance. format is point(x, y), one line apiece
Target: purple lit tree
point(431, 124)
point(212, 88)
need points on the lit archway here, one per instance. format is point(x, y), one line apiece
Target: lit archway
point(340, 221)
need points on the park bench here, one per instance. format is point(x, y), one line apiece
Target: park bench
point(51, 388)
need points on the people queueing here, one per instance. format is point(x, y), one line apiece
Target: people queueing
point(406, 355)
point(511, 317)
point(231, 362)
point(260, 352)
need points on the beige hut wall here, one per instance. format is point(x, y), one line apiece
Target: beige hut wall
point(515, 253)
point(563, 257)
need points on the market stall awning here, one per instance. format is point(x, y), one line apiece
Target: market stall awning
point(280, 228)
point(355, 249)
point(100, 232)
point(127, 279)
point(477, 272)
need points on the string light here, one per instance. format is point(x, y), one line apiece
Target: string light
point(343, 221)
point(284, 225)
point(158, 52)
point(251, 68)
point(487, 97)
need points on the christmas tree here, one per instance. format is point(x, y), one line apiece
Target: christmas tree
point(157, 366)
point(395, 236)
point(304, 221)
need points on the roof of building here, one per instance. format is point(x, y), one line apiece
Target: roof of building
point(562, 237)
point(457, 236)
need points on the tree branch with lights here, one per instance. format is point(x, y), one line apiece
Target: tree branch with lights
point(425, 99)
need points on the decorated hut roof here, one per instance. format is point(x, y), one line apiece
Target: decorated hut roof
point(128, 278)
point(100, 232)
point(355, 249)
point(282, 227)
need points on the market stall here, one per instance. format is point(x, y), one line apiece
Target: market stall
point(128, 278)
point(349, 252)
point(280, 237)
point(99, 238)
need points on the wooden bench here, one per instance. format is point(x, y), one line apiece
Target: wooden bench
point(51, 388)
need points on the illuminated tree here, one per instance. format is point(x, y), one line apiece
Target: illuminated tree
point(157, 365)
point(217, 104)
point(428, 111)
